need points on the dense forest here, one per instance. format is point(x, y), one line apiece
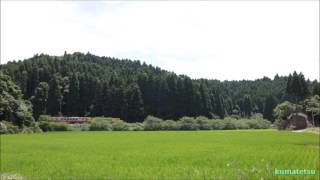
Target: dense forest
point(87, 85)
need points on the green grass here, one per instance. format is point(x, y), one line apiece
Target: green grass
point(234, 154)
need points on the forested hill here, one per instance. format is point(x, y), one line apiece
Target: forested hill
point(87, 85)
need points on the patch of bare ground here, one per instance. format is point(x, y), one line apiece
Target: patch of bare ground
point(309, 130)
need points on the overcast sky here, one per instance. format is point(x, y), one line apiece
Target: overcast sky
point(229, 40)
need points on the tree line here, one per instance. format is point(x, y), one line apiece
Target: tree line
point(87, 85)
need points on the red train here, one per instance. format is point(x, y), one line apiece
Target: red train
point(72, 120)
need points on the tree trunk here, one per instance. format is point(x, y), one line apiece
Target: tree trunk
point(313, 119)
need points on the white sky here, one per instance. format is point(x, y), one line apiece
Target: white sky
point(229, 40)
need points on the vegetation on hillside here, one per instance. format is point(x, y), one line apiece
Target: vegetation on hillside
point(87, 85)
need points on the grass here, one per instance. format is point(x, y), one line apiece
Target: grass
point(234, 154)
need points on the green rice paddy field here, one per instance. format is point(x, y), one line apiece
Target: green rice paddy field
point(234, 154)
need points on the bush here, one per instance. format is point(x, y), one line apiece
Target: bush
point(107, 119)
point(45, 126)
point(200, 118)
point(253, 124)
point(27, 130)
point(78, 127)
point(280, 124)
point(100, 125)
point(257, 116)
point(218, 124)
point(120, 126)
point(205, 124)
point(8, 128)
point(214, 116)
point(152, 123)
point(136, 126)
point(230, 123)
point(3, 128)
point(53, 126)
point(85, 127)
point(242, 124)
point(58, 126)
point(35, 127)
point(45, 118)
point(108, 124)
point(188, 123)
point(264, 124)
point(170, 125)
point(258, 124)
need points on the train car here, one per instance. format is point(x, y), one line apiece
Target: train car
point(71, 120)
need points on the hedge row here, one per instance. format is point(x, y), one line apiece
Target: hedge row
point(151, 123)
point(9, 128)
point(203, 123)
point(111, 124)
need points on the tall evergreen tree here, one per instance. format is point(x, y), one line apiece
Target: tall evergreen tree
point(135, 111)
point(55, 95)
point(33, 81)
point(98, 102)
point(163, 99)
point(297, 88)
point(172, 97)
point(270, 104)
point(189, 95)
point(247, 105)
point(316, 88)
point(24, 82)
point(304, 91)
point(59, 87)
point(219, 108)
point(181, 99)
point(206, 107)
point(39, 100)
point(72, 99)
